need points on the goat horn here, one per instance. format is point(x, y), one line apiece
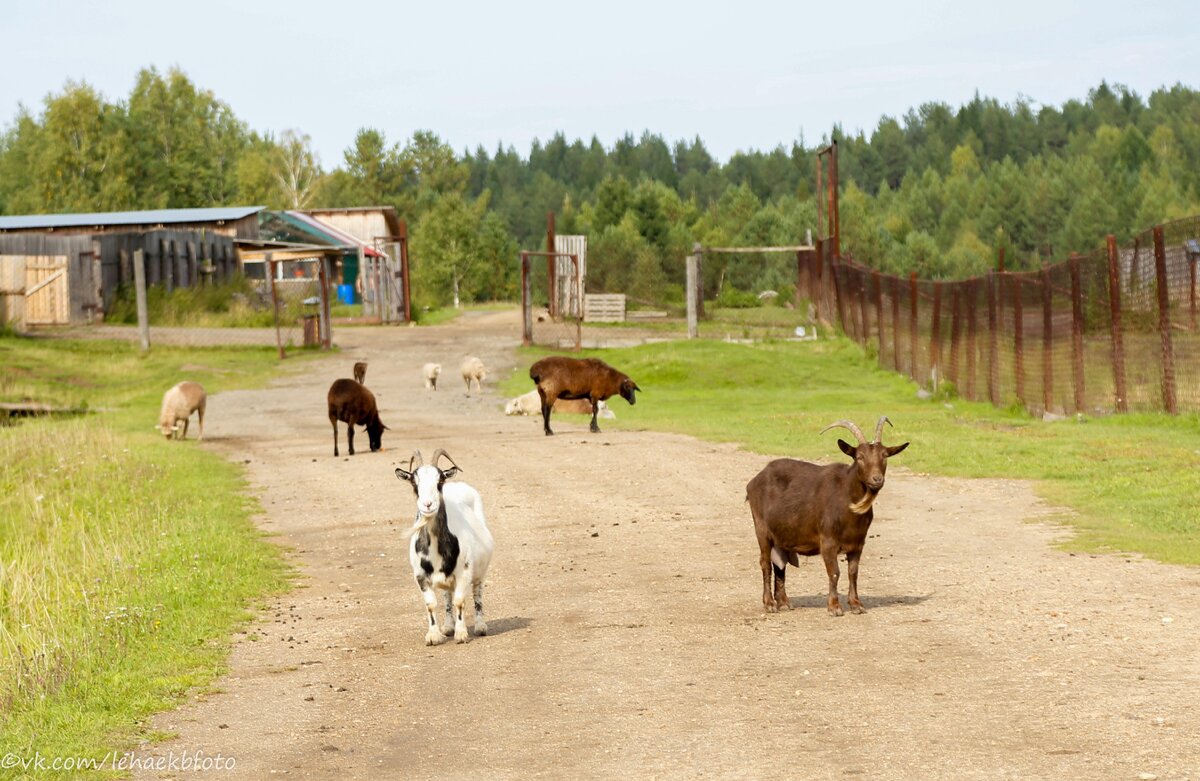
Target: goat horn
point(439, 453)
point(416, 456)
point(849, 425)
point(879, 427)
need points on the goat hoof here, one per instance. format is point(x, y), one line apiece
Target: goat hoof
point(835, 611)
point(857, 609)
point(783, 604)
point(433, 637)
point(461, 634)
point(770, 607)
point(480, 628)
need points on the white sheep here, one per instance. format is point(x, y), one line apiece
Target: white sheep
point(178, 404)
point(531, 404)
point(451, 546)
point(431, 372)
point(472, 369)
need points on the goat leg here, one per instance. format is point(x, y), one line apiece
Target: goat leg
point(780, 570)
point(460, 598)
point(335, 447)
point(434, 635)
point(852, 558)
point(829, 554)
point(546, 405)
point(448, 624)
point(764, 561)
point(350, 437)
point(481, 627)
point(595, 429)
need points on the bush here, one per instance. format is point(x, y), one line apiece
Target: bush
point(732, 298)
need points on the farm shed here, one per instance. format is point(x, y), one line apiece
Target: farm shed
point(297, 227)
point(59, 269)
point(384, 278)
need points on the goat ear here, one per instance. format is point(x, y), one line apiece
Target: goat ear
point(893, 450)
point(451, 472)
point(406, 476)
point(847, 448)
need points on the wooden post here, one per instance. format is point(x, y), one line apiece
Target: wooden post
point(1118, 339)
point(1164, 322)
point(139, 284)
point(551, 263)
point(526, 304)
point(878, 279)
point(818, 279)
point(1018, 338)
point(972, 295)
point(1047, 342)
point(895, 293)
point(275, 300)
point(935, 336)
point(993, 292)
point(955, 332)
point(913, 294)
point(325, 330)
point(1077, 334)
point(693, 267)
point(698, 251)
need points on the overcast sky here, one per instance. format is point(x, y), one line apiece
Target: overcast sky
point(740, 75)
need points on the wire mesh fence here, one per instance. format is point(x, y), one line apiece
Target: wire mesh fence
point(1111, 331)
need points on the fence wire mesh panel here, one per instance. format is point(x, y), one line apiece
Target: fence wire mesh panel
point(1115, 330)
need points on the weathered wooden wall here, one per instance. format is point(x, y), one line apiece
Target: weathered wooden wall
point(82, 267)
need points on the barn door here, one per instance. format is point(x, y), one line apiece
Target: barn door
point(47, 300)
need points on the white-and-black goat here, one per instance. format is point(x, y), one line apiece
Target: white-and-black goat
point(451, 546)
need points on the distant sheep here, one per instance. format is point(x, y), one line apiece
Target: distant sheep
point(531, 403)
point(431, 372)
point(560, 377)
point(473, 369)
point(178, 404)
point(360, 372)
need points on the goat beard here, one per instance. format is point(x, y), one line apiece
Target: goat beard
point(864, 504)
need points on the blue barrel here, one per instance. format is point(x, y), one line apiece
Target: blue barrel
point(345, 294)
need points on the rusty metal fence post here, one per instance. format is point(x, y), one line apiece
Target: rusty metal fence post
point(1164, 322)
point(527, 325)
point(1118, 342)
point(1018, 339)
point(862, 306)
point(275, 301)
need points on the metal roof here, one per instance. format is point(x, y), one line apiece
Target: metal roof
point(151, 217)
point(334, 233)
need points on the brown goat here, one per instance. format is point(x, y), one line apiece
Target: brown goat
point(354, 405)
point(560, 377)
point(803, 509)
point(360, 372)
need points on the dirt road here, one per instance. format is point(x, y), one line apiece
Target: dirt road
point(628, 637)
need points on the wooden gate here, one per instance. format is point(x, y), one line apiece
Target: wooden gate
point(47, 293)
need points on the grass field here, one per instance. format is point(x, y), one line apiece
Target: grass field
point(125, 560)
point(1127, 483)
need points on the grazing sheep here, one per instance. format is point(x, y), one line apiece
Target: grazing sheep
point(802, 509)
point(530, 403)
point(560, 377)
point(360, 372)
point(472, 369)
point(354, 405)
point(451, 547)
point(431, 372)
point(178, 404)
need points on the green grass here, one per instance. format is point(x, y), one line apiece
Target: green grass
point(1129, 482)
point(237, 303)
point(125, 559)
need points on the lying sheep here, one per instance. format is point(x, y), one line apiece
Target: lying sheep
point(472, 369)
point(178, 404)
point(530, 403)
point(560, 377)
point(431, 372)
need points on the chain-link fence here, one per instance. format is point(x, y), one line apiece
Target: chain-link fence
point(1111, 331)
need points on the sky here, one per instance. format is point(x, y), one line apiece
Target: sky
point(740, 75)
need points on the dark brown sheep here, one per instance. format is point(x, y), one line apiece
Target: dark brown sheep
point(560, 377)
point(351, 403)
point(360, 372)
point(802, 509)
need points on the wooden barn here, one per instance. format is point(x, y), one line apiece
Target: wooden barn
point(383, 280)
point(60, 269)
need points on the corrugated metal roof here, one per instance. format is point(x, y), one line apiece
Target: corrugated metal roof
point(151, 217)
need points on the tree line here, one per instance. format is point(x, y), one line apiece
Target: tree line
point(936, 191)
